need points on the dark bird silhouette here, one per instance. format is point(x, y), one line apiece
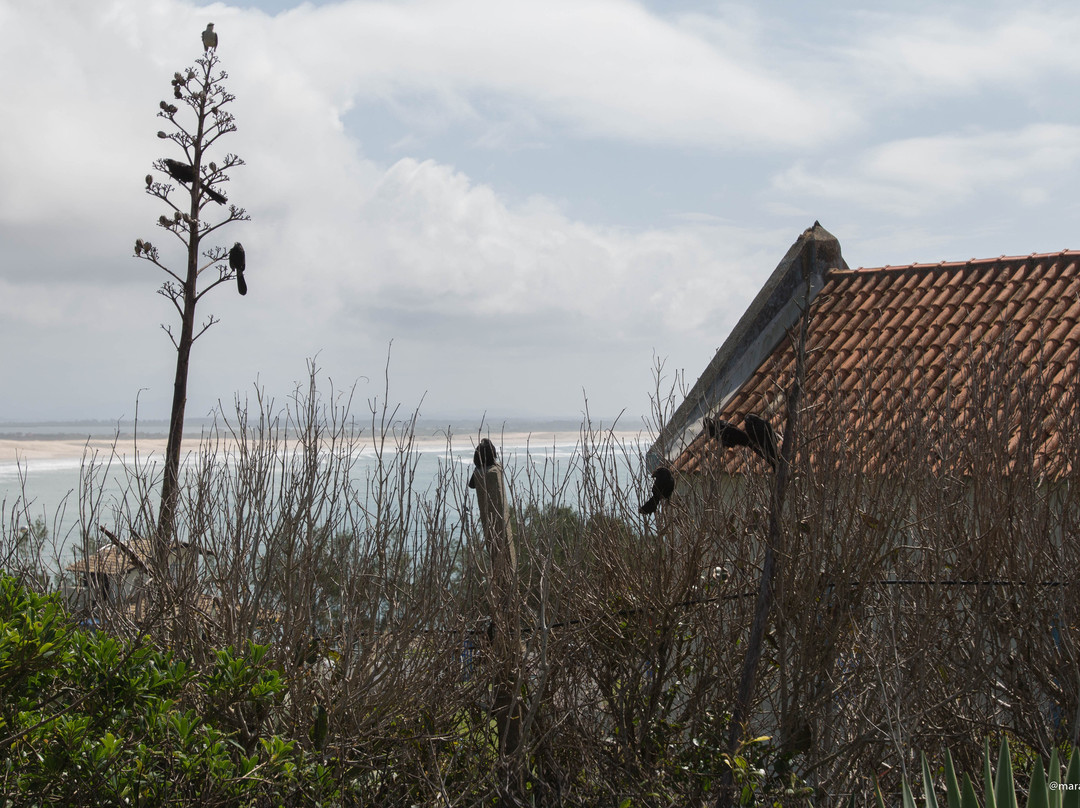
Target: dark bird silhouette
point(663, 487)
point(728, 434)
point(186, 173)
point(179, 171)
point(238, 263)
point(209, 38)
point(217, 197)
point(483, 458)
point(762, 438)
point(320, 728)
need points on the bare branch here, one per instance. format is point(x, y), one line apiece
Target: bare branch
point(211, 320)
point(172, 339)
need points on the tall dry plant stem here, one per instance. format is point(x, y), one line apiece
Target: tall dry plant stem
point(195, 125)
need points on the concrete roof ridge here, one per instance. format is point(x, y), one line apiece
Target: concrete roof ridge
point(774, 310)
point(948, 265)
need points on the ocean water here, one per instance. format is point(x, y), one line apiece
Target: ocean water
point(50, 479)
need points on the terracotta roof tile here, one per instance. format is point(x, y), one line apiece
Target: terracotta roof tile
point(939, 338)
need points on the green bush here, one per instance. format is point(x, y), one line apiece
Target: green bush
point(89, 719)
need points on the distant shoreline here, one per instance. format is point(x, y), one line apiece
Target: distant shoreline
point(14, 450)
point(20, 449)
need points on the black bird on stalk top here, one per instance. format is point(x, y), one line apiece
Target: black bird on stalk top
point(179, 171)
point(183, 172)
point(663, 487)
point(209, 38)
point(483, 458)
point(214, 195)
point(762, 438)
point(238, 263)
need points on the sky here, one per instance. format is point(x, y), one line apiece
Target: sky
point(504, 208)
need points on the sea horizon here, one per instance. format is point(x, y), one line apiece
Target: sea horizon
point(43, 464)
point(424, 428)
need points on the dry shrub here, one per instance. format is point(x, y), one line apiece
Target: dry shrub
point(923, 595)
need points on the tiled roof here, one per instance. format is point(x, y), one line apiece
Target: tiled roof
point(912, 358)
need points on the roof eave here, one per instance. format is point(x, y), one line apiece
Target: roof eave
point(794, 283)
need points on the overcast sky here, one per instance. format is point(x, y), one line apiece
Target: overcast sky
point(534, 202)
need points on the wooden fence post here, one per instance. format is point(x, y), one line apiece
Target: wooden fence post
point(766, 598)
point(490, 485)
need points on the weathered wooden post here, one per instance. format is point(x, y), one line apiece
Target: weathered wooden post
point(490, 485)
point(767, 592)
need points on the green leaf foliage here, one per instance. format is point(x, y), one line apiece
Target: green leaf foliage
point(952, 786)
point(90, 719)
point(1038, 793)
point(1071, 796)
point(1000, 788)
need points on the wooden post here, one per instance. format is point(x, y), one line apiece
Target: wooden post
point(770, 569)
point(490, 486)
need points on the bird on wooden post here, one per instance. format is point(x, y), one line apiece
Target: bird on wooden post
point(484, 458)
point(238, 263)
point(490, 486)
point(663, 487)
point(209, 38)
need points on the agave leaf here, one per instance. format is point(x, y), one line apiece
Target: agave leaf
point(1038, 794)
point(928, 785)
point(1071, 797)
point(907, 800)
point(968, 798)
point(1054, 776)
point(1004, 786)
point(877, 793)
point(988, 777)
point(952, 788)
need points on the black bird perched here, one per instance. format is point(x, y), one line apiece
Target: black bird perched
point(729, 434)
point(762, 438)
point(219, 198)
point(483, 458)
point(179, 171)
point(209, 38)
point(662, 488)
point(238, 263)
point(186, 173)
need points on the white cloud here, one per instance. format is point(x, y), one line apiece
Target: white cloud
point(924, 175)
point(948, 52)
point(601, 68)
point(346, 253)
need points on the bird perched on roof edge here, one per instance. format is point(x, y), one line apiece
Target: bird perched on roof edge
point(663, 487)
point(209, 38)
point(728, 434)
point(238, 263)
point(762, 438)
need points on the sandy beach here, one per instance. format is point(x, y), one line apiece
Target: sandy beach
point(14, 450)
